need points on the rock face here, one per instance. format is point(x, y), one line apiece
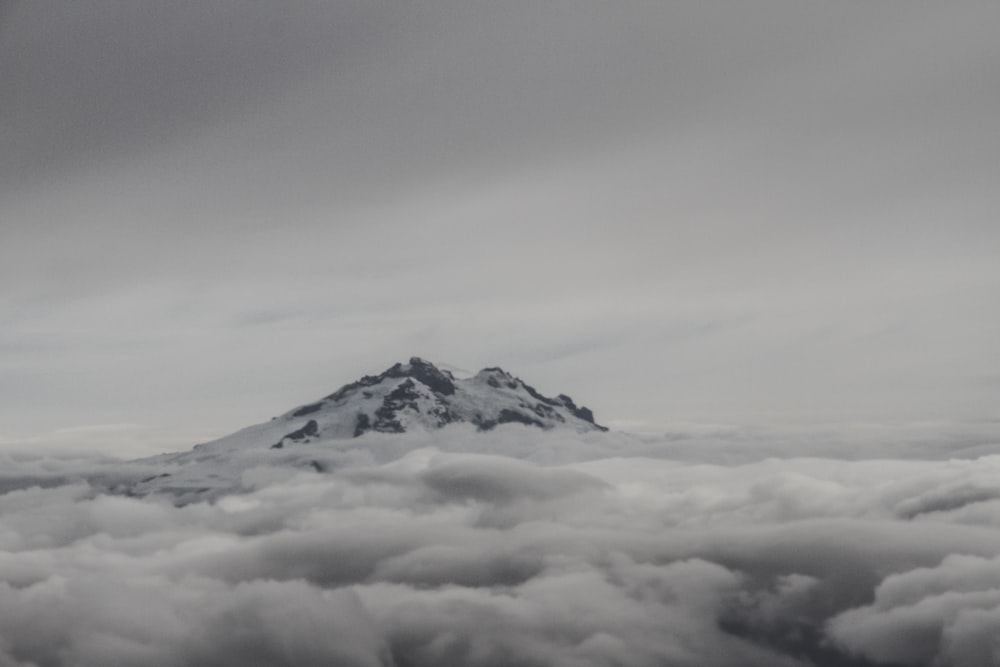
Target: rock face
point(420, 395)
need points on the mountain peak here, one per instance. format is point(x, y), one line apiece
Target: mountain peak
point(418, 394)
point(412, 396)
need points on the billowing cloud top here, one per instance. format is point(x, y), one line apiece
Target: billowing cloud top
point(513, 547)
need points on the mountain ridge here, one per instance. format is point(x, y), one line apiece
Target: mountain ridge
point(406, 397)
point(419, 393)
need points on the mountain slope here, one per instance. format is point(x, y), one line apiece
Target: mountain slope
point(416, 396)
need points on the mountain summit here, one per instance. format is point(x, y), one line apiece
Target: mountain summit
point(415, 396)
point(418, 394)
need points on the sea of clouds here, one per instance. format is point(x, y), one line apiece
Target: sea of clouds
point(517, 548)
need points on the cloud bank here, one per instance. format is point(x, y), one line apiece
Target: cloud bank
point(428, 555)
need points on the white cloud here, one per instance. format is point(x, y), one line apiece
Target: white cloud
point(422, 555)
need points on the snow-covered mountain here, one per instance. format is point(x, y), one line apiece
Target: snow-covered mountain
point(415, 396)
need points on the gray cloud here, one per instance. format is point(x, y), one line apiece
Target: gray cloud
point(948, 614)
point(417, 555)
point(739, 213)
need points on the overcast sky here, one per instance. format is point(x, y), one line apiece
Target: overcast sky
point(727, 212)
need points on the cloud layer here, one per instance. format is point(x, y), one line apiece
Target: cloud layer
point(735, 213)
point(424, 556)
